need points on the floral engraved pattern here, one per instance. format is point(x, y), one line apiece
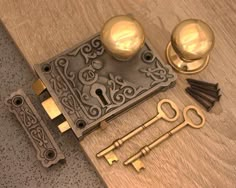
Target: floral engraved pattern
point(74, 97)
point(158, 74)
point(89, 50)
point(32, 123)
point(121, 90)
point(63, 63)
point(35, 128)
point(27, 117)
point(89, 85)
point(70, 103)
point(39, 135)
point(94, 111)
point(59, 86)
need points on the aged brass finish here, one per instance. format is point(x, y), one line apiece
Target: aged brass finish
point(111, 157)
point(51, 108)
point(135, 159)
point(138, 165)
point(123, 37)
point(108, 152)
point(190, 45)
point(64, 126)
point(38, 87)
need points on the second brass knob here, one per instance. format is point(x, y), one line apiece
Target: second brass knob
point(190, 45)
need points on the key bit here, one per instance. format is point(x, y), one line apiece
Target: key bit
point(111, 157)
point(138, 165)
point(135, 159)
point(108, 152)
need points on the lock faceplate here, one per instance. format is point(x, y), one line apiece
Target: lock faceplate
point(48, 152)
point(89, 85)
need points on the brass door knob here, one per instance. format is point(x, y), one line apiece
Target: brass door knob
point(190, 45)
point(122, 36)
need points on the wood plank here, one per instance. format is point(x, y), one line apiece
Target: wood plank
point(191, 158)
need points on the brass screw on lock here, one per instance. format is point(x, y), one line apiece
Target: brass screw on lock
point(190, 45)
point(123, 37)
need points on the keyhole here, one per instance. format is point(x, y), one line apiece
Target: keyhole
point(99, 93)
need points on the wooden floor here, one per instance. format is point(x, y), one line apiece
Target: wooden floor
point(191, 158)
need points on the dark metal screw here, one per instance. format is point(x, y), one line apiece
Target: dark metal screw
point(213, 94)
point(206, 105)
point(209, 85)
point(196, 92)
point(206, 87)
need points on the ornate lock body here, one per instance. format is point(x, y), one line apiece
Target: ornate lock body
point(88, 85)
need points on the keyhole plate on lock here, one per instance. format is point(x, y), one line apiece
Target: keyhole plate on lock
point(88, 84)
point(99, 91)
point(102, 98)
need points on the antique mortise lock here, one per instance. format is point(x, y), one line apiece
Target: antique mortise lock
point(102, 77)
point(190, 45)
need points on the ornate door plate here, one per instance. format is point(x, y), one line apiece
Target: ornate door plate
point(89, 85)
point(48, 152)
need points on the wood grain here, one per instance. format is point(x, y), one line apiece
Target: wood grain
point(191, 158)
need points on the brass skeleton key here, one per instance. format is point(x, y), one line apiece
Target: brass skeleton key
point(135, 159)
point(108, 152)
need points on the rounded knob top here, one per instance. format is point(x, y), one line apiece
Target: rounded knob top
point(122, 36)
point(192, 39)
